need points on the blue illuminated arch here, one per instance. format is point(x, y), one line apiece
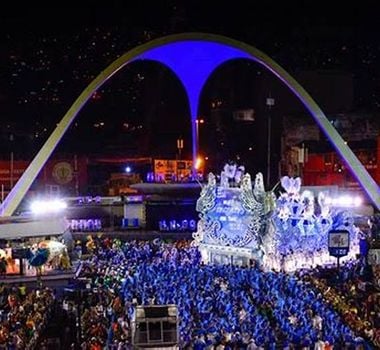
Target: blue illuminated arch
point(193, 62)
point(192, 57)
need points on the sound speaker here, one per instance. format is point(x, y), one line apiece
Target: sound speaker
point(155, 326)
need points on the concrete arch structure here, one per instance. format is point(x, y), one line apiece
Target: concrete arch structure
point(192, 57)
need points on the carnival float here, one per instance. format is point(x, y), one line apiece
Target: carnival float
point(241, 222)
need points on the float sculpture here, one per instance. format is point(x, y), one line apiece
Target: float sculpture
point(241, 222)
point(232, 217)
point(48, 251)
point(297, 235)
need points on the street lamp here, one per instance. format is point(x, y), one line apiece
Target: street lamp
point(197, 122)
point(196, 148)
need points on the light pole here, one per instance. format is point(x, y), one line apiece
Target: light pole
point(197, 122)
point(270, 104)
point(179, 147)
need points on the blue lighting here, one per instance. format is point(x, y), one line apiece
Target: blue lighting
point(183, 225)
point(128, 169)
point(302, 222)
point(193, 61)
point(288, 232)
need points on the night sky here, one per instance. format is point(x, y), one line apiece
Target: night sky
point(49, 53)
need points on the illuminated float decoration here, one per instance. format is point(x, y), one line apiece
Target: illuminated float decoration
point(49, 252)
point(240, 222)
point(297, 236)
point(232, 217)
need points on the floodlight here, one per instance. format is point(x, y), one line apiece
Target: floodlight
point(47, 206)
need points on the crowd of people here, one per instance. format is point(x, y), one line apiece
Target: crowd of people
point(356, 297)
point(220, 306)
point(23, 315)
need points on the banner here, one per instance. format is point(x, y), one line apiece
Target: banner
point(170, 170)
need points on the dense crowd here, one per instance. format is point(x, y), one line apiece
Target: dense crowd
point(23, 316)
point(219, 306)
point(356, 297)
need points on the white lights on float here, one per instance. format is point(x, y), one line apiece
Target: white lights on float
point(47, 206)
point(344, 201)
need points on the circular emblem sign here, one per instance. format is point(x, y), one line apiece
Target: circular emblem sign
point(63, 172)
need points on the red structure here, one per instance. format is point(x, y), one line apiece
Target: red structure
point(66, 175)
point(328, 168)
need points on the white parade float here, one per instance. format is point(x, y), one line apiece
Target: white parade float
point(240, 222)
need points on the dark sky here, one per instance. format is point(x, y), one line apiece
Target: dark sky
point(229, 17)
point(50, 51)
